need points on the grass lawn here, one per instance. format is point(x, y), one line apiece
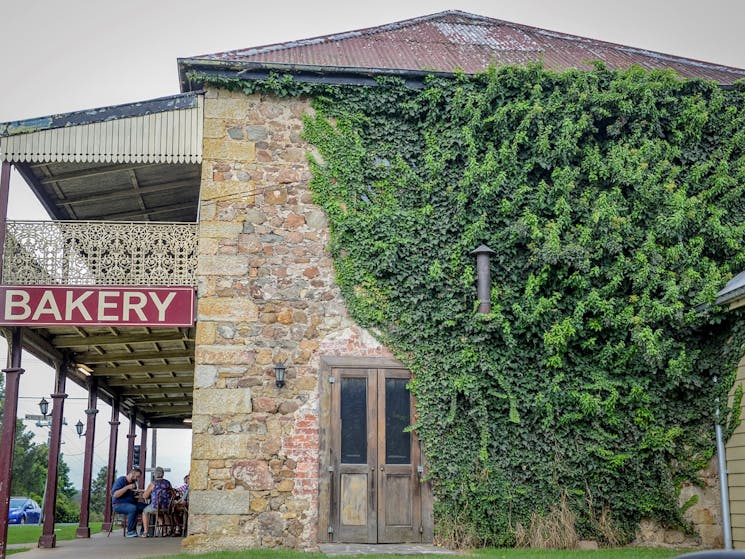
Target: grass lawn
point(621, 553)
point(26, 533)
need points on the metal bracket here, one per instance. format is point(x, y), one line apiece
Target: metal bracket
point(330, 530)
point(330, 469)
point(332, 380)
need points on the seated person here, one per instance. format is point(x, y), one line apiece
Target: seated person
point(180, 504)
point(159, 493)
point(124, 500)
point(185, 489)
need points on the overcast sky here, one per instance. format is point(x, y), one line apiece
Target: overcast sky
point(60, 56)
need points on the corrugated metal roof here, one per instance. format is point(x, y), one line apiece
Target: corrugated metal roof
point(733, 291)
point(166, 130)
point(455, 40)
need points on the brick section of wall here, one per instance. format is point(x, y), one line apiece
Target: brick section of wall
point(266, 293)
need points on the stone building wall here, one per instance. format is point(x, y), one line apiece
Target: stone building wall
point(266, 293)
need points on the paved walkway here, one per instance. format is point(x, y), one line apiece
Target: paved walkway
point(117, 547)
point(99, 546)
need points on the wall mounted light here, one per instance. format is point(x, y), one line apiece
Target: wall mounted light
point(44, 407)
point(79, 428)
point(483, 277)
point(279, 374)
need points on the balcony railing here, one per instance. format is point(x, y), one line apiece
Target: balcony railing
point(99, 253)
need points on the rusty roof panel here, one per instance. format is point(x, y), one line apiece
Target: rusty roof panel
point(456, 40)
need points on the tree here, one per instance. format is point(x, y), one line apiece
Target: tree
point(98, 492)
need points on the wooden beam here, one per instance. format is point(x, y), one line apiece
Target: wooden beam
point(92, 357)
point(124, 194)
point(41, 348)
point(128, 392)
point(90, 172)
point(142, 369)
point(143, 401)
point(150, 211)
point(67, 341)
point(148, 380)
point(176, 405)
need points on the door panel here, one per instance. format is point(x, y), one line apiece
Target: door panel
point(374, 458)
point(399, 506)
point(354, 499)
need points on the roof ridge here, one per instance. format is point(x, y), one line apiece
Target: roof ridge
point(392, 26)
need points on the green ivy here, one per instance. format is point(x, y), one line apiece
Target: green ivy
point(615, 203)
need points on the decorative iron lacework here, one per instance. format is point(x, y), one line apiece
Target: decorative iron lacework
point(99, 253)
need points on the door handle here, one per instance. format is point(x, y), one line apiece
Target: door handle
point(382, 469)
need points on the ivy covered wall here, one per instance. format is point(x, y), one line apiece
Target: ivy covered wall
point(614, 203)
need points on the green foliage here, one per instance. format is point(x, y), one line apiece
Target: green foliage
point(98, 493)
point(30, 471)
point(615, 204)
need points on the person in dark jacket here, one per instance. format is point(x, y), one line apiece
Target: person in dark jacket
point(124, 499)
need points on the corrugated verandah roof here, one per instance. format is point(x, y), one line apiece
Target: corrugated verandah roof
point(455, 40)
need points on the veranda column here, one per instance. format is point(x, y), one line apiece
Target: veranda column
point(143, 456)
point(131, 443)
point(84, 530)
point(12, 379)
point(48, 537)
point(113, 434)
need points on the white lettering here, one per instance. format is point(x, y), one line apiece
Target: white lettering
point(162, 305)
point(104, 304)
point(12, 301)
point(136, 307)
point(47, 305)
point(73, 304)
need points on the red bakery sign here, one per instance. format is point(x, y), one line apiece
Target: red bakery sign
point(22, 305)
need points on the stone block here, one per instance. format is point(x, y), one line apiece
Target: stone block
point(220, 473)
point(221, 402)
point(226, 309)
point(259, 504)
point(205, 333)
point(240, 190)
point(200, 423)
point(208, 247)
point(256, 133)
point(198, 474)
point(207, 210)
point(222, 265)
point(220, 229)
point(255, 475)
point(205, 446)
point(275, 197)
point(223, 525)
point(257, 217)
point(214, 128)
point(231, 150)
point(264, 405)
point(219, 502)
point(224, 355)
point(205, 376)
point(225, 108)
point(286, 486)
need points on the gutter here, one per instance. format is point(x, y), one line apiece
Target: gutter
point(309, 73)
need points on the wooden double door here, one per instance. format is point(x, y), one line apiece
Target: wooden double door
point(376, 492)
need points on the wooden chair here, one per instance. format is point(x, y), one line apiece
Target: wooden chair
point(178, 512)
point(165, 524)
point(121, 519)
